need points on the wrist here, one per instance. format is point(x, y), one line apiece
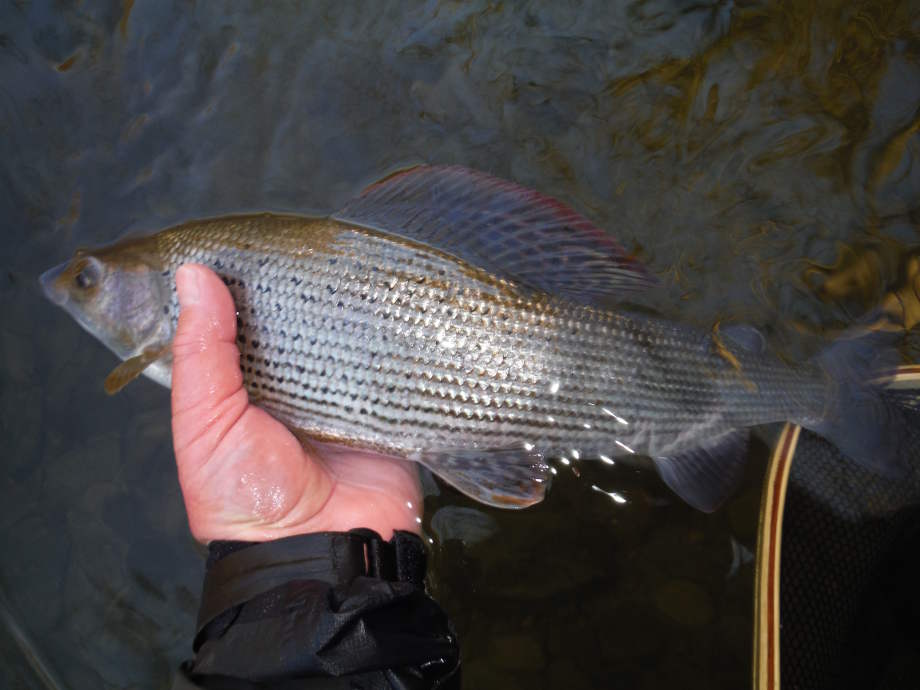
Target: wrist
point(241, 571)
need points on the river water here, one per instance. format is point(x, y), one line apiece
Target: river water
point(747, 152)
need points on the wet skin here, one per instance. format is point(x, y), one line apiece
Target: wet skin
point(243, 474)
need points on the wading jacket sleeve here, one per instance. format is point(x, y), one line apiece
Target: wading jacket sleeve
point(328, 610)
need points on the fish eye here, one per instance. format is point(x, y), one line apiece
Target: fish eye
point(87, 277)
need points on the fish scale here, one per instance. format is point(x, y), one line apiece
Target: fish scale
point(311, 318)
point(470, 324)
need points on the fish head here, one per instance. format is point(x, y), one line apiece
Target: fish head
point(118, 294)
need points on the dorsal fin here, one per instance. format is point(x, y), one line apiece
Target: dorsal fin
point(513, 232)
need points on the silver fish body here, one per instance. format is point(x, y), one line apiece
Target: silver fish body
point(456, 319)
point(354, 336)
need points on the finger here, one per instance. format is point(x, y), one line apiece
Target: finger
point(207, 385)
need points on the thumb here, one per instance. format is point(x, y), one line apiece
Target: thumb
point(207, 385)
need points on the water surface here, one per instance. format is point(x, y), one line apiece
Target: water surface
point(743, 150)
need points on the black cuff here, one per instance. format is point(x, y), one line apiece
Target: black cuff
point(321, 605)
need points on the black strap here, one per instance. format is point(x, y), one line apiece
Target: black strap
point(411, 558)
point(402, 559)
point(240, 571)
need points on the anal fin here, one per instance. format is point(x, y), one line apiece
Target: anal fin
point(707, 475)
point(511, 477)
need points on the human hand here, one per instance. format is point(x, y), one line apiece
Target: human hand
point(243, 474)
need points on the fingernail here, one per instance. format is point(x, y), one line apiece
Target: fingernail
point(187, 287)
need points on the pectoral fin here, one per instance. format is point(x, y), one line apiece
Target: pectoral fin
point(499, 477)
point(705, 476)
point(131, 368)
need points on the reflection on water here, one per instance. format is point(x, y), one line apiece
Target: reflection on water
point(732, 146)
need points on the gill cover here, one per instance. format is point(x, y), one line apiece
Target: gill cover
point(118, 295)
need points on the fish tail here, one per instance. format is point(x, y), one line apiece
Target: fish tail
point(868, 424)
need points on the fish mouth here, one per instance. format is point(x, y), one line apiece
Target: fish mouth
point(52, 290)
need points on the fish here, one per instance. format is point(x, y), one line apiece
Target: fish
point(477, 327)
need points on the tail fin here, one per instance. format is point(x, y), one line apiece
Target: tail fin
point(867, 424)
